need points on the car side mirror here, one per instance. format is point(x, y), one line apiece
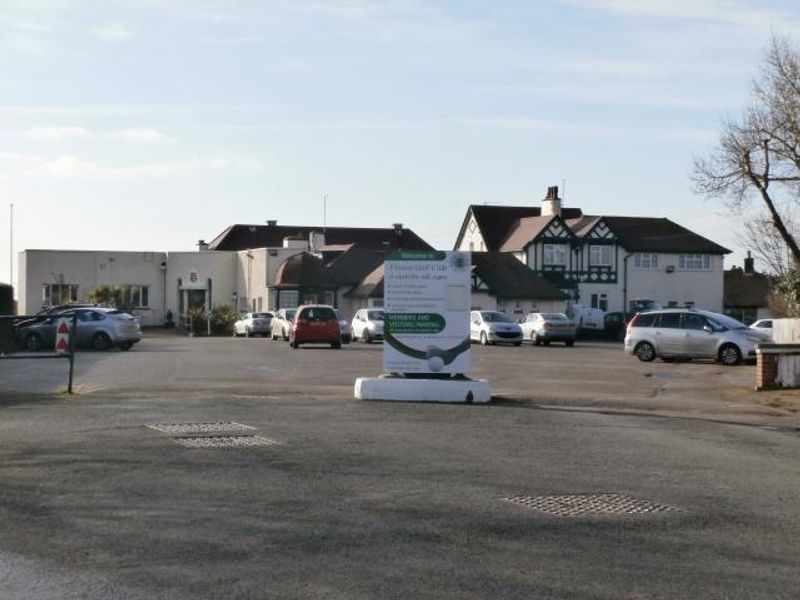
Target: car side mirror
point(707, 329)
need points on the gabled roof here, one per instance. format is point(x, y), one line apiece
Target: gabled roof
point(745, 290)
point(582, 226)
point(371, 286)
point(651, 234)
point(507, 277)
point(495, 222)
point(523, 232)
point(352, 266)
point(242, 237)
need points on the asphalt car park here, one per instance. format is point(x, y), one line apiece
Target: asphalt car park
point(100, 498)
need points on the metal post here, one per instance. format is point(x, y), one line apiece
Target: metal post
point(71, 350)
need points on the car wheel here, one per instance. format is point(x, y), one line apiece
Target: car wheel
point(284, 336)
point(484, 339)
point(546, 342)
point(294, 344)
point(33, 342)
point(101, 342)
point(730, 355)
point(365, 337)
point(570, 343)
point(126, 346)
point(336, 345)
point(518, 343)
point(645, 352)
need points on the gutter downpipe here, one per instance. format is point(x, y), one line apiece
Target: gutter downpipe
point(625, 282)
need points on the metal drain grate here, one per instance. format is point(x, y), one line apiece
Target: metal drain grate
point(577, 505)
point(197, 428)
point(239, 441)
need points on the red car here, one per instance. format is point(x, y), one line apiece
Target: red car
point(315, 324)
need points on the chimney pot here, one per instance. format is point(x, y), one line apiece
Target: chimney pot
point(271, 223)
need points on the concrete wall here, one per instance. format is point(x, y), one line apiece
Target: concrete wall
point(89, 269)
point(218, 266)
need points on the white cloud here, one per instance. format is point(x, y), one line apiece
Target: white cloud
point(145, 136)
point(113, 32)
point(57, 133)
point(721, 11)
point(72, 167)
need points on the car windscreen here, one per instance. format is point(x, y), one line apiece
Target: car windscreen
point(318, 313)
point(375, 315)
point(495, 317)
point(554, 317)
point(262, 316)
point(726, 321)
point(290, 314)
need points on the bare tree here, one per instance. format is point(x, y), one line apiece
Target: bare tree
point(759, 156)
point(760, 236)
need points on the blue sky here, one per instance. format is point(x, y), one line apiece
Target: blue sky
point(147, 125)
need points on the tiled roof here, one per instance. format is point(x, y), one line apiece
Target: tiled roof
point(495, 222)
point(507, 277)
point(651, 234)
point(371, 286)
point(352, 266)
point(242, 237)
point(745, 290)
point(523, 232)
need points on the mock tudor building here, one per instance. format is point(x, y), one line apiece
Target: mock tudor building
point(605, 262)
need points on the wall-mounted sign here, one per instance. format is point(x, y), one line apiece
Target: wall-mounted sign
point(426, 298)
point(194, 280)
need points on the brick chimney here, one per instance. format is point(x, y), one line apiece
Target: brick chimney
point(551, 205)
point(749, 264)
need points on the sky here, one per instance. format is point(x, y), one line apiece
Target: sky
point(148, 125)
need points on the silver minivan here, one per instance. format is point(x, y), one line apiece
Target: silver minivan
point(689, 333)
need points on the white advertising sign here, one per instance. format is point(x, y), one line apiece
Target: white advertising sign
point(426, 297)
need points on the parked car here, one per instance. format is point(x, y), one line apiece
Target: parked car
point(493, 326)
point(259, 323)
point(543, 328)
point(315, 324)
point(689, 333)
point(98, 328)
point(764, 325)
point(345, 328)
point(282, 323)
point(615, 324)
point(368, 325)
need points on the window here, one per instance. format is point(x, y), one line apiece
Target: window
point(289, 298)
point(555, 254)
point(59, 293)
point(600, 301)
point(670, 320)
point(694, 262)
point(600, 256)
point(645, 260)
point(137, 296)
point(694, 321)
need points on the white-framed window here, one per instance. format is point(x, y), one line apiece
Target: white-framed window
point(555, 254)
point(600, 256)
point(599, 301)
point(137, 296)
point(645, 260)
point(289, 298)
point(59, 293)
point(694, 262)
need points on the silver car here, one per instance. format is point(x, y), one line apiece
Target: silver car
point(689, 333)
point(544, 328)
point(493, 326)
point(259, 323)
point(98, 328)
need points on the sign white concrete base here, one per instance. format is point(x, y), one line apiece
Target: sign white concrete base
point(401, 389)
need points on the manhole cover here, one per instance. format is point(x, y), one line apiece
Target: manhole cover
point(239, 441)
point(576, 505)
point(192, 428)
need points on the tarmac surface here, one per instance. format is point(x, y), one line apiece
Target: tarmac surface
point(393, 500)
